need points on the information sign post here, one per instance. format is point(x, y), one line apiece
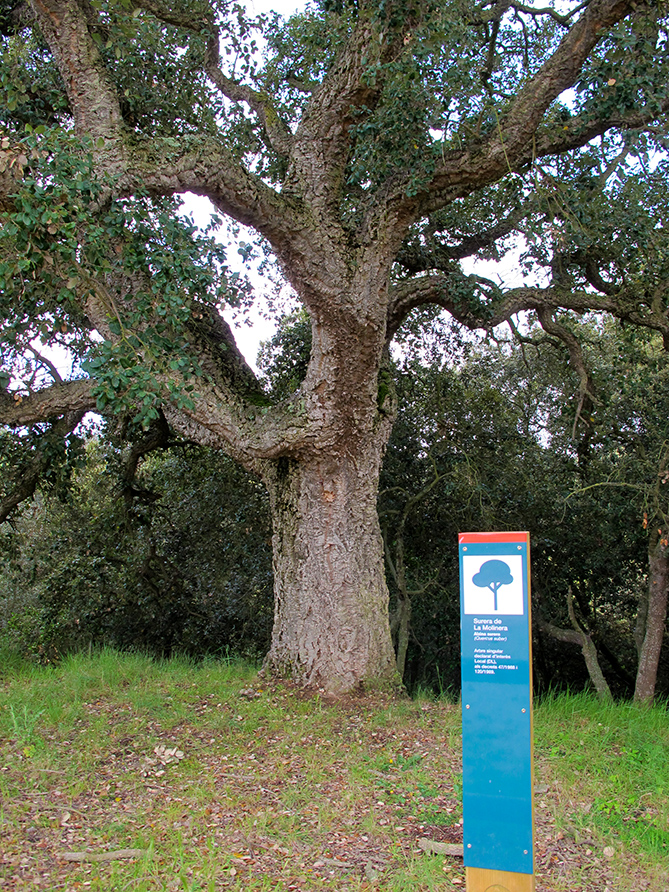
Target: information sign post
point(497, 776)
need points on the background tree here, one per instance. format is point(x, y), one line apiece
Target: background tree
point(465, 454)
point(175, 558)
point(612, 484)
point(494, 426)
point(376, 147)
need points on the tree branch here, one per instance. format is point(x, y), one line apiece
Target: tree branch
point(92, 96)
point(250, 434)
point(577, 360)
point(561, 19)
point(156, 437)
point(447, 291)
point(219, 355)
point(557, 74)
point(37, 465)
point(277, 131)
point(578, 131)
point(481, 16)
point(465, 171)
point(198, 164)
point(577, 635)
point(323, 140)
point(46, 362)
point(179, 18)
point(417, 257)
point(515, 142)
point(17, 410)
point(204, 166)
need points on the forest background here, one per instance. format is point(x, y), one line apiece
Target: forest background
point(173, 554)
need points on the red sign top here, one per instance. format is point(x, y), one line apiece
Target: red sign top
point(464, 538)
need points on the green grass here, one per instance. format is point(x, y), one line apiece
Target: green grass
point(615, 759)
point(280, 791)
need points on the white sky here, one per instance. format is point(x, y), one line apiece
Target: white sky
point(248, 337)
point(284, 7)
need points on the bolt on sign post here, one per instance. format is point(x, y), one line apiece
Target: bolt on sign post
point(497, 777)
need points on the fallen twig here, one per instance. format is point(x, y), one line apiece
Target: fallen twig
point(456, 849)
point(118, 855)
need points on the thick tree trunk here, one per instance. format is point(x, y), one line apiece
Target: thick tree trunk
point(331, 626)
point(658, 590)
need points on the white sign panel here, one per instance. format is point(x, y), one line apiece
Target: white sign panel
point(493, 584)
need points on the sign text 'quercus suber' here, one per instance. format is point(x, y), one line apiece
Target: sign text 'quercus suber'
point(496, 711)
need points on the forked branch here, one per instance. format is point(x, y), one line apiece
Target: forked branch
point(31, 475)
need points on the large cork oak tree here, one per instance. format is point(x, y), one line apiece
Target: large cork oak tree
point(376, 146)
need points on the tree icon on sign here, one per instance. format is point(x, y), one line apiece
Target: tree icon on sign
point(493, 575)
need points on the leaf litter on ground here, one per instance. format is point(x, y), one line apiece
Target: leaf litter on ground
point(254, 785)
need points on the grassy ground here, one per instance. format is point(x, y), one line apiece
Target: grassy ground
point(226, 781)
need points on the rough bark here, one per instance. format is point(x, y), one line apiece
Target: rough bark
point(331, 626)
point(72, 396)
point(656, 615)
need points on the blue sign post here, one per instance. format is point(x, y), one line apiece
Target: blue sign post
point(497, 774)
